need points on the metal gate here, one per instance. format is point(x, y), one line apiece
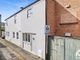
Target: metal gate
point(64, 48)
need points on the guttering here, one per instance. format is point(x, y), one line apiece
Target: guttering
point(22, 9)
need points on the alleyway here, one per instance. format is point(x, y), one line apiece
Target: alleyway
point(5, 54)
point(9, 51)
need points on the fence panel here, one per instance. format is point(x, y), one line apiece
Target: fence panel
point(57, 49)
point(72, 48)
point(64, 48)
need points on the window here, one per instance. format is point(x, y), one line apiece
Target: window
point(17, 35)
point(13, 34)
point(29, 37)
point(15, 19)
point(26, 37)
point(23, 37)
point(29, 13)
point(7, 33)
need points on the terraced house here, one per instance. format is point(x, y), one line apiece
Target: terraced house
point(27, 28)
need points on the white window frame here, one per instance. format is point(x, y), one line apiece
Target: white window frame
point(15, 19)
point(27, 37)
point(29, 12)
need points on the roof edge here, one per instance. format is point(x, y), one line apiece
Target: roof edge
point(22, 9)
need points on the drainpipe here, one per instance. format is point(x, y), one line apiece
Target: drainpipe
point(48, 38)
point(64, 48)
point(46, 35)
point(0, 26)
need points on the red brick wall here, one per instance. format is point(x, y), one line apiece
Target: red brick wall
point(61, 21)
point(51, 16)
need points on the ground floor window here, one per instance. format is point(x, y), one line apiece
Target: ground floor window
point(7, 33)
point(27, 36)
point(13, 34)
point(17, 35)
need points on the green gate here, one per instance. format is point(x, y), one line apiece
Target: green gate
point(64, 48)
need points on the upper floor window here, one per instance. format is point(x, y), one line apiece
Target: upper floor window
point(15, 19)
point(29, 12)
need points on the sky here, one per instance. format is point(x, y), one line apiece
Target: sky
point(9, 7)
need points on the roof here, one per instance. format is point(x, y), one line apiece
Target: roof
point(22, 9)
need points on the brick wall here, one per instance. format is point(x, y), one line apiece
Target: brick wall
point(51, 16)
point(61, 20)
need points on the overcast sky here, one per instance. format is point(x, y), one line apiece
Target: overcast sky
point(9, 7)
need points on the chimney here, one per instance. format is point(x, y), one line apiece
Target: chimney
point(21, 8)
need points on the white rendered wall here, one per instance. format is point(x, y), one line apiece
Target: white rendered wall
point(12, 27)
point(34, 24)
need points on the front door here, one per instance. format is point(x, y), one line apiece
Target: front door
point(27, 41)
